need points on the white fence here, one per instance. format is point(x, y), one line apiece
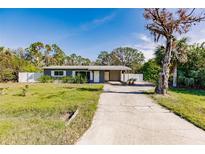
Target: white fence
point(138, 77)
point(29, 77)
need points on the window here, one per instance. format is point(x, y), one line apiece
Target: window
point(59, 73)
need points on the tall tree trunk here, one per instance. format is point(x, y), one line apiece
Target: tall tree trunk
point(175, 76)
point(164, 76)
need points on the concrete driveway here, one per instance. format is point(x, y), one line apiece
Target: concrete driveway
point(126, 116)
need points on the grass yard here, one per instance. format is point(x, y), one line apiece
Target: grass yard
point(36, 118)
point(189, 104)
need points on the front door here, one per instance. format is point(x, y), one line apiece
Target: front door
point(106, 76)
point(96, 76)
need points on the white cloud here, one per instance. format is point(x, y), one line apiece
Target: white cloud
point(146, 45)
point(196, 34)
point(144, 38)
point(147, 51)
point(97, 22)
point(104, 19)
point(196, 37)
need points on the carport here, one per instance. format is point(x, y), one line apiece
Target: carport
point(110, 73)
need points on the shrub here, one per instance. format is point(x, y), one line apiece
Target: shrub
point(131, 81)
point(3, 91)
point(79, 79)
point(24, 90)
point(7, 75)
point(76, 79)
point(202, 77)
point(151, 71)
point(195, 79)
point(45, 79)
point(189, 82)
point(84, 79)
point(67, 79)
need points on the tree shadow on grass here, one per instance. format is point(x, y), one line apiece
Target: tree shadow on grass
point(149, 92)
point(125, 92)
point(189, 91)
point(88, 89)
point(69, 87)
point(19, 94)
point(133, 85)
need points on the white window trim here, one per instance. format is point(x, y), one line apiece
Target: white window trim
point(53, 73)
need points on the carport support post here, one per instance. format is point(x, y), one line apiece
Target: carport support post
point(128, 75)
point(123, 76)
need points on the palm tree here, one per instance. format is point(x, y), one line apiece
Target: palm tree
point(166, 24)
point(159, 54)
point(179, 56)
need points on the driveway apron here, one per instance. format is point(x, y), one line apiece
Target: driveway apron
point(127, 116)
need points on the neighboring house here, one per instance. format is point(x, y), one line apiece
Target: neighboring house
point(94, 74)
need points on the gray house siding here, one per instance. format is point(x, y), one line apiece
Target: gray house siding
point(48, 72)
point(69, 73)
point(97, 73)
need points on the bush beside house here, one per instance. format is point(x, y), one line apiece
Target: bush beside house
point(67, 79)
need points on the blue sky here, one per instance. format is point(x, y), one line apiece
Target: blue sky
point(82, 31)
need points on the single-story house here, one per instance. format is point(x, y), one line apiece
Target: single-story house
point(94, 74)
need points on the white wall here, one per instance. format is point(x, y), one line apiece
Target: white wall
point(138, 77)
point(28, 76)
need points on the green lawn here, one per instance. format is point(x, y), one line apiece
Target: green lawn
point(37, 117)
point(189, 104)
